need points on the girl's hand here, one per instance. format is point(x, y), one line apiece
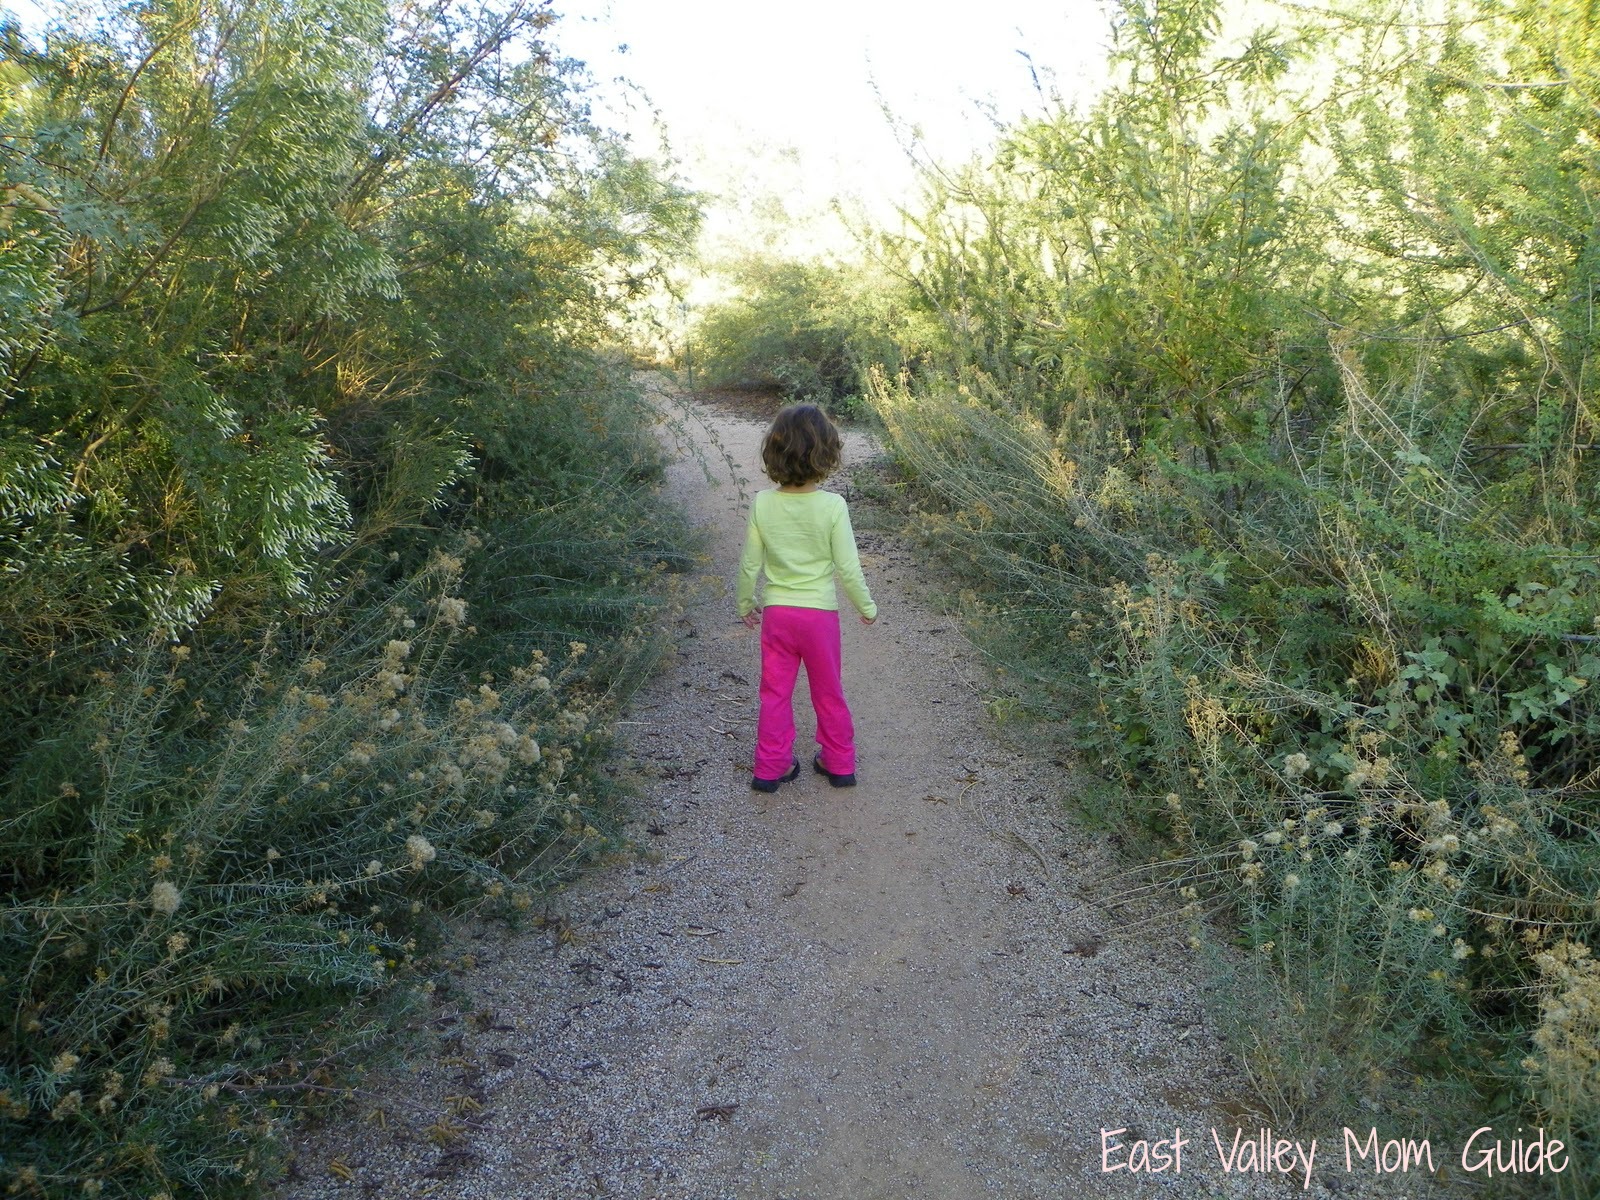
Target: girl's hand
point(868, 620)
point(752, 620)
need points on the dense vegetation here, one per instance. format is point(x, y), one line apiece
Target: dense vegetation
point(1263, 416)
point(326, 542)
point(807, 331)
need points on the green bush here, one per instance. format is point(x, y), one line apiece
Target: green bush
point(206, 873)
point(804, 330)
point(1272, 479)
point(328, 544)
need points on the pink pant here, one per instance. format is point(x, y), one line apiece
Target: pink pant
point(789, 637)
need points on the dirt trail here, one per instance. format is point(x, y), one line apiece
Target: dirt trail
point(890, 991)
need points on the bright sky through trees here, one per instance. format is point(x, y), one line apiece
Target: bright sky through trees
point(28, 12)
point(772, 104)
point(778, 109)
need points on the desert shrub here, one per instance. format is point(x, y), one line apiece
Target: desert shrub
point(805, 330)
point(328, 545)
point(1318, 765)
point(1271, 477)
point(204, 875)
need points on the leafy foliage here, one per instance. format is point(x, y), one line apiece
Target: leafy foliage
point(327, 542)
point(1260, 416)
point(805, 330)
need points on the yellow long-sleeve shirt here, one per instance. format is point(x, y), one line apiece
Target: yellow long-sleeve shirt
point(802, 540)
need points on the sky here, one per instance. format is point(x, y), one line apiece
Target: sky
point(779, 108)
point(28, 12)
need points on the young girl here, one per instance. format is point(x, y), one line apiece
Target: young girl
point(801, 537)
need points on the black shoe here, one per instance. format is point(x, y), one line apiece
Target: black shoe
point(836, 780)
point(771, 785)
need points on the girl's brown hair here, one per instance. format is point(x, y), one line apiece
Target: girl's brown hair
point(801, 447)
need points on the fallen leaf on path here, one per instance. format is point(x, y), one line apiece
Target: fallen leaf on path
point(717, 1112)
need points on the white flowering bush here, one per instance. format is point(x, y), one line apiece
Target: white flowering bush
point(1383, 827)
point(232, 858)
point(259, 737)
point(1565, 1063)
point(239, 875)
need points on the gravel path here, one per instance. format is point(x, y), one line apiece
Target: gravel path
point(888, 992)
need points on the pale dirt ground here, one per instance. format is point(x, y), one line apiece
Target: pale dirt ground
point(912, 988)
